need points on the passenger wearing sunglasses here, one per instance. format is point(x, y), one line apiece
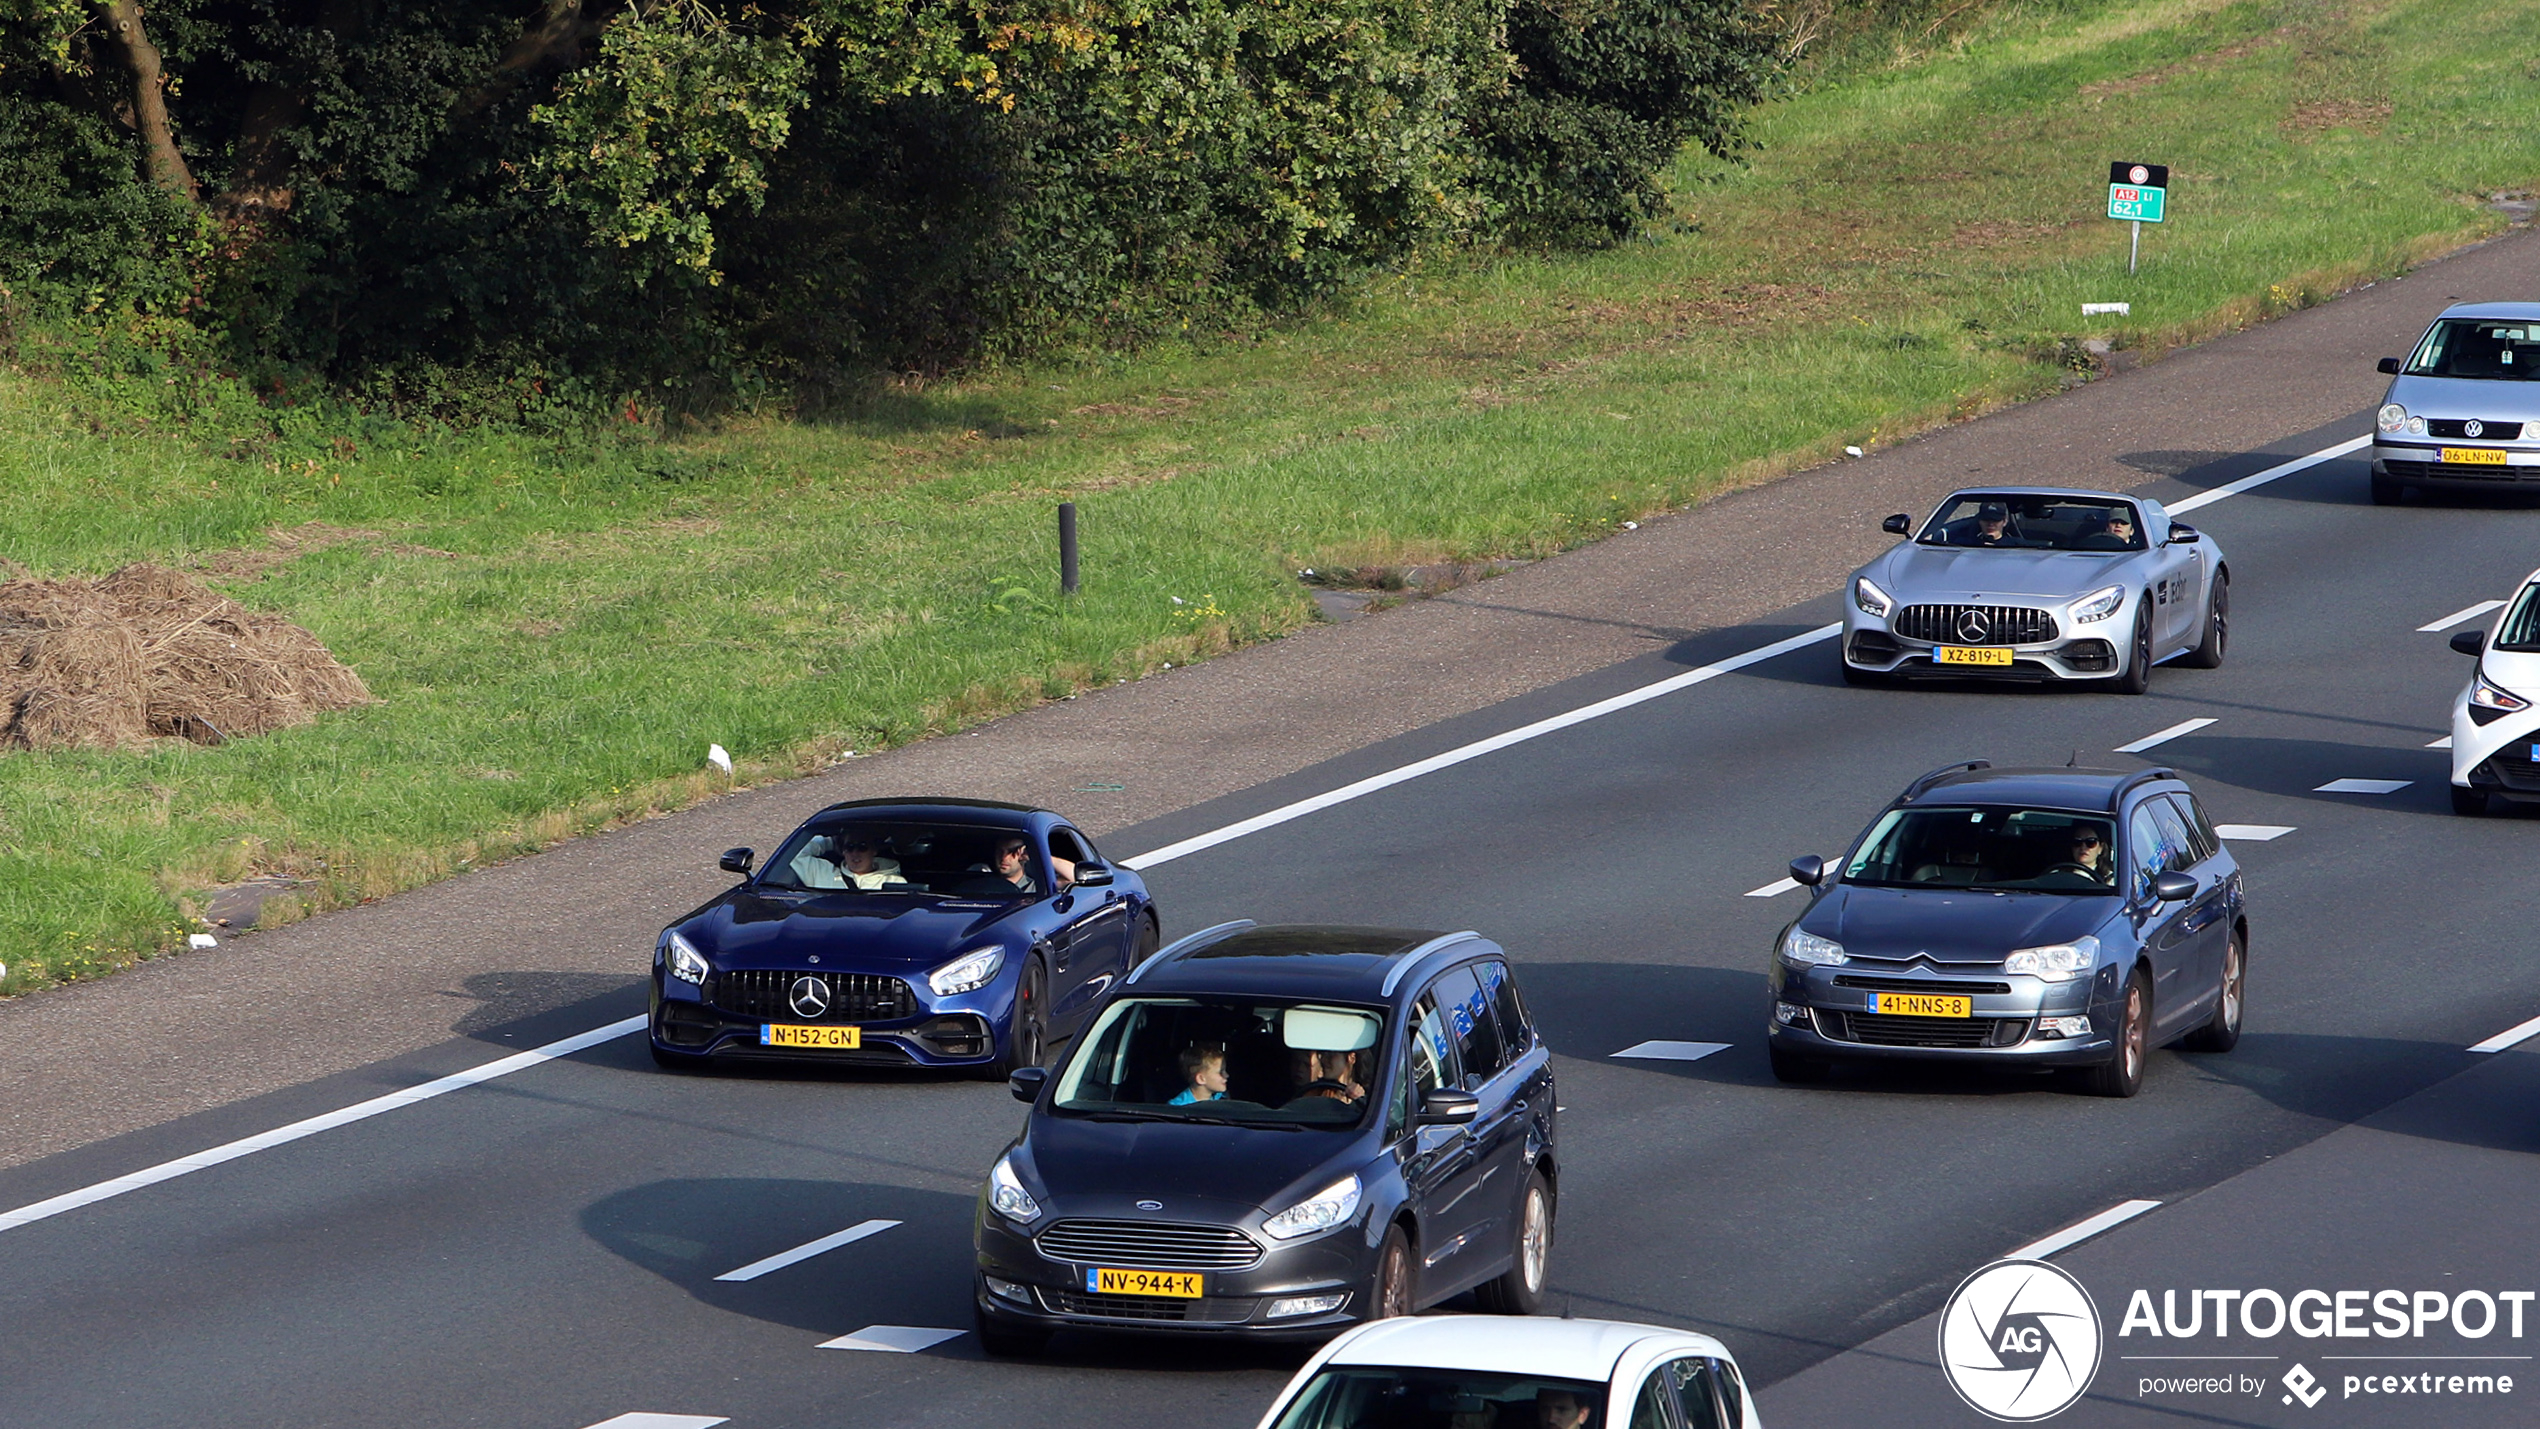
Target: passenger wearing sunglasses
point(863, 868)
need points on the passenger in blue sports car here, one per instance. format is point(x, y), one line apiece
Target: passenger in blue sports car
point(863, 867)
point(1204, 1068)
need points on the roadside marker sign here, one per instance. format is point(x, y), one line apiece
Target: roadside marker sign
point(2138, 194)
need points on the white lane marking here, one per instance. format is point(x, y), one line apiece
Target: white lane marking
point(1673, 1051)
point(2301, 463)
point(2363, 786)
point(2467, 612)
point(282, 1135)
point(2163, 736)
point(2075, 1234)
point(2513, 1036)
point(662, 1421)
point(2252, 833)
point(807, 1250)
point(1774, 889)
point(893, 1339)
point(2444, 743)
point(1480, 747)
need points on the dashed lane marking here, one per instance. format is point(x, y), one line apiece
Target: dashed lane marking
point(807, 1250)
point(1673, 1051)
point(2363, 786)
point(1774, 889)
point(893, 1339)
point(2300, 463)
point(2513, 1036)
point(2074, 1234)
point(2465, 613)
point(662, 1421)
point(2444, 743)
point(2164, 736)
point(345, 1116)
point(2252, 833)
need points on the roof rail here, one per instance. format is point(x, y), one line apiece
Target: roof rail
point(1963, 766)
point(2126, 785)
point(1404, 962)
point(1190, 944)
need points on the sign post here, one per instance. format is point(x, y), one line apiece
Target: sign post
point(2140, 194)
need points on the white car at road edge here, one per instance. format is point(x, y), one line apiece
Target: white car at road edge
point(1528, 1372)
point(2496, 717)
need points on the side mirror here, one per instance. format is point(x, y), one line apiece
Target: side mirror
point(2387, 364)
point(1093, 875)
point(2173, 887)
point(1026, 1083)
point(737, 860)
point(2184, 535)
point(2469, 642)
point(1898, 524)
point(1808, 870)
point(1448, 1107)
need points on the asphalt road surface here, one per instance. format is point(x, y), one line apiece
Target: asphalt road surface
point(555, 1246)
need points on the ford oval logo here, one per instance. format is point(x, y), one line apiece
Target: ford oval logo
point(1150, 1205)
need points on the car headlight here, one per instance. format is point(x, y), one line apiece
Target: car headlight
point(2391, 417)
point(1321, 1211)
point(2491, 697)
point(685, 962)
point(1809, 950)
point(1006, 1195)
point(2099, 604)
point(2416, 426)
point(970, 970)
point(2059, 962)
point(1871, 599)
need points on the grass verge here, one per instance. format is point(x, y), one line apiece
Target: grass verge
point(557, 628)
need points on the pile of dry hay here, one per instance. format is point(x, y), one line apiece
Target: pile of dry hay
point(150, 653)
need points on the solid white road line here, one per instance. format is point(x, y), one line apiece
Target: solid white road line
point(2252, 833)
point(2075, 1234)
point(2467, 612)
point(1673, 1051)
point(2444, 743)
point(893, 1339)
point(2301, 463)
point(1774, 889)
point(2363, 786)
point(2163, 737)
point(1480, 747)
point(283, 1135)
point(662, 1421)
point(807, 1250)
point(2513, 1036)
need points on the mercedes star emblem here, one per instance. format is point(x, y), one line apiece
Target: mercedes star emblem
point(1150, 1205)
point(1972, 626)
point(2473, 428)
point(810, 996)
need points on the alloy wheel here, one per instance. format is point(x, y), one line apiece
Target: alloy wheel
point(2134, 1031)
point(1534, 1242)
point(2235, 972)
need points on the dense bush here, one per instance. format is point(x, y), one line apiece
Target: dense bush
point(486, 206)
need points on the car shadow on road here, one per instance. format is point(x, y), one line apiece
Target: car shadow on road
point(2296, 768)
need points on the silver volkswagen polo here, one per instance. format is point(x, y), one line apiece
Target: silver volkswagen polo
point(2463, 412)
point(2039, 583)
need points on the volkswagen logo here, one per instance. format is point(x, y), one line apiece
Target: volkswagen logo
point(1972, 626)
point(1150, 1205)
point(2473, 428)
point(810, 996)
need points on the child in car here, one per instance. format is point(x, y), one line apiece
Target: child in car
point(1204, 1069)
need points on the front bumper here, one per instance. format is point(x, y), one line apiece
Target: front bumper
point(2496, 757)
point(1835, 1021)
point(2097, 652)
point(1233, 1302)
point(2418, 461)
point(943, 1032)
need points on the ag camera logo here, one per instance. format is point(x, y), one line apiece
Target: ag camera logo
point(2019, 1341)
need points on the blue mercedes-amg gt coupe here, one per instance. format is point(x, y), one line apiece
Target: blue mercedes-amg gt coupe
point(902, 932)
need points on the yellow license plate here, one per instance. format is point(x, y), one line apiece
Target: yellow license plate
point(1970, 655)
point(786, 1034)
point(1921, 1004)
point(1176, 1284)
point(2473, 456)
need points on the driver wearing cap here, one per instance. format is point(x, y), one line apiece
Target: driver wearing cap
point(1993, 526)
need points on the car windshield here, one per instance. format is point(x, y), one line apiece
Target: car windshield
point(1252, 1061)
point(1373, 1397)
point(2490, 349)
point(2519, 631)
point(967, 861)
point(2009, 521)
point(1993, 847)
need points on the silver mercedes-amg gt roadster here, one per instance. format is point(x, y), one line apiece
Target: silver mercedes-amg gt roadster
point(2038, 583)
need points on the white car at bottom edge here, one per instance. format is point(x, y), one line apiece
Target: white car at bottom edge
point(1525, 1372)
point(2496, 718)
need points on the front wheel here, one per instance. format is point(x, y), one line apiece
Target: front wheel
point(2209, 654)
point(1027, 1042)
point(2223, 1033)
point(1392, 1293)
point(2471, 803)
point(1520, 1290)
point(2137, 678)
point(2122, 1074)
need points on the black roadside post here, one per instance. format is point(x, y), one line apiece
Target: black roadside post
point(1067, 548)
